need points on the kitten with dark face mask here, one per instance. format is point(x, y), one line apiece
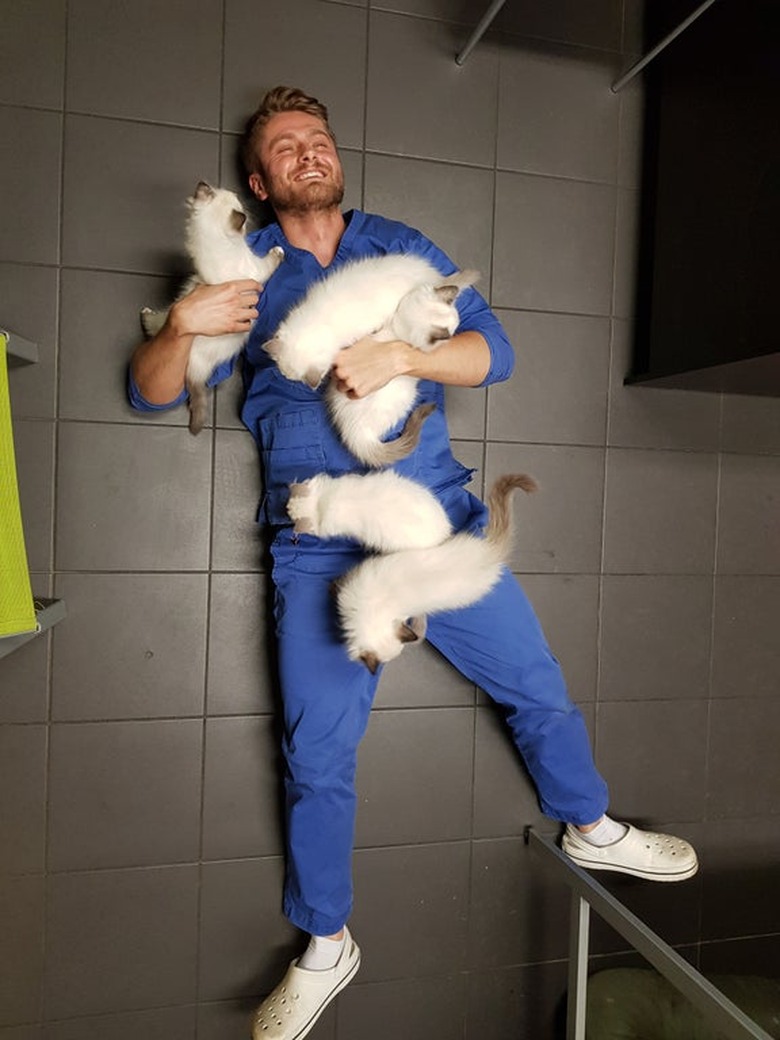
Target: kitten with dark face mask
point(383, 601)
point(389, 297)
point(217, 246)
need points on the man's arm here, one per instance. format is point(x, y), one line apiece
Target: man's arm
point(158, 366)
point(463, 360)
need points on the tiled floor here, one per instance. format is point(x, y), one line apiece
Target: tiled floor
point(140, 856)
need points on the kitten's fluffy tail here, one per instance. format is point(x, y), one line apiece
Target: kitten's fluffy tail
point(199, 408)
point(499, 529)
point(376, 453)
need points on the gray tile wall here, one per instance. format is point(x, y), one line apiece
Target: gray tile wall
point(140, 863)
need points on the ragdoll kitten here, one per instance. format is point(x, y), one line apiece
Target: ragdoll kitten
point(384, 511)
point(217, 245)
point(383, 601)
point(396, 296)
point(425, 316)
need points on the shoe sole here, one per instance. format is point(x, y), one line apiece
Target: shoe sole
point(308, 1026)
point(646, 875)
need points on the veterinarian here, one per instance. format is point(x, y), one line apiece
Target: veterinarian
point(292, 162)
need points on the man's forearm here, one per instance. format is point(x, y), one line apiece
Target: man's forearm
point(159, 365)
point(463, 360)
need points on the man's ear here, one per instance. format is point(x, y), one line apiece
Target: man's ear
point(257, 186)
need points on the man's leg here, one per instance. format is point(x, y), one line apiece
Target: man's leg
point(326, 704)
point(498, 643)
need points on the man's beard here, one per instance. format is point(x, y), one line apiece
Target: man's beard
point(317, 196)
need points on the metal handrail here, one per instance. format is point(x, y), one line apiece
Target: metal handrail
point(721, 1012)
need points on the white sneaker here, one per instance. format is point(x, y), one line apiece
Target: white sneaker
point(301, 997)
point(654, 857)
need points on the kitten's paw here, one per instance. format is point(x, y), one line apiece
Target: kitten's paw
point(302, 508)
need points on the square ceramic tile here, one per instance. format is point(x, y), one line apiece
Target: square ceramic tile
point(137, 190)
point(242, 796)
point(744, 779)
point(34, 454)
point(28, 305)
point(653, 756)
point(649, 417)
point(557, 115)
point(517, 1001)
point(31, 147)
point(660, 512)
point(596, 24)
point(24, 682)
point(568, 607)
point(124, 794)
point(34, 54)
point(465, 407)
point(246, 944)
point(631, 134)
point(21, 948)
point(120, 941)
point(238, 541)
point(558, 392)
point(100, 329)
point(558, 529)
point(132, 498)
point(746, 654)
point(282, 42)
point(741, 957)
point(505, 799)
point(452, 205)
point(160, 1024)
point(655, 637)
point(22, 798)
point(553, 246)
point(739, 874)
point(416, 1009)
point(171, 53)
point(519, 914)
point(130, 646)
point(21, 1033)
point(749, 520)
point(423, 679)
point(750, 425)
point(418, 893)
point(241, 669)
point(427, 106)
point(626, 253)
point(429, 797)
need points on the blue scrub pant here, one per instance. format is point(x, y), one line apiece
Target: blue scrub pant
point(497, 643)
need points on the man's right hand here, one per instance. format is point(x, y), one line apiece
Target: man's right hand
point(159, 365)
point(214, 310)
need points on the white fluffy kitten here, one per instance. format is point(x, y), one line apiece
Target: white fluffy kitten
point(424, 317)
point(384, 511)
point(383, 601)
point(216, 243)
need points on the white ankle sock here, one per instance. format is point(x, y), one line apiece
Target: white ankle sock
point(321, 953)
point(605, 832)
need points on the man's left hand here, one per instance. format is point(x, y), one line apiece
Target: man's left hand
point(367, 365)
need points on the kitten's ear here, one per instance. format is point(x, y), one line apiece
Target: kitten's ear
point(454, 284)
point(237, 219)
point(203, 191)
point(406, 632)
point(447, 293)
point(313, 378)
point(371, 661)
point(272, 347)
point(419, 625)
